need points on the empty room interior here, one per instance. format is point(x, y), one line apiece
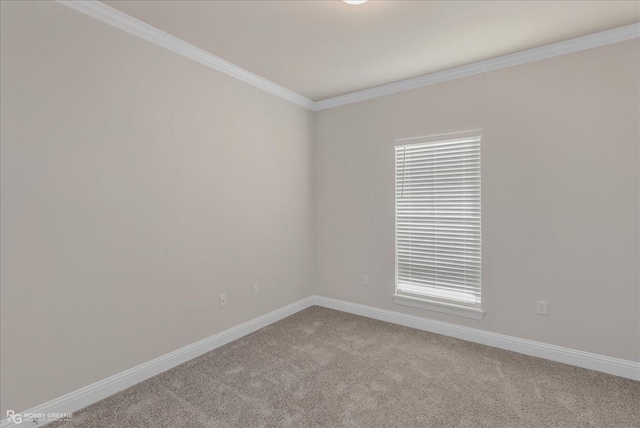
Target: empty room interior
point(341, 213)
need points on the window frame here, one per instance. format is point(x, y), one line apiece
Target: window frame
point(423, 301)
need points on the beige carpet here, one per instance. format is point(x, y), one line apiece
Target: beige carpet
point(323, 368)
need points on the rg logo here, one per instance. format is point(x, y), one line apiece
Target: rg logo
point(16, 418)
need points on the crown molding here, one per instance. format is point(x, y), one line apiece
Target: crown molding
point(131, 25)
point(548, 51)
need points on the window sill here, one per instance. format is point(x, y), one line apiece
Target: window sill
point(436, 306)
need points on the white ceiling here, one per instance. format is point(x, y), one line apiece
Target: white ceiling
point(321, 49)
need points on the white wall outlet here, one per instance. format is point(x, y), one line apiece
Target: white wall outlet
point(542, 307)
point(256, 289)
point(223, 300)
point(365, 279)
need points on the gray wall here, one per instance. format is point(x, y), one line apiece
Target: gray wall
point(559, 195)
point(137, 186)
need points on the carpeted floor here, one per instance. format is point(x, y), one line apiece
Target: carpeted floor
point(323, 368)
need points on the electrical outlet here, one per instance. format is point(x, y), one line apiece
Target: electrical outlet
point(223, 300)
point(256, 289)
point(542, 307)
point(365, 279)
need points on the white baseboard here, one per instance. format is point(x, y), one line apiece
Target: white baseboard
point(93, 393)
point(83, 397)
point(588, 360)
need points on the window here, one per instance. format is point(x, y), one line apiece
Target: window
point(438, 252)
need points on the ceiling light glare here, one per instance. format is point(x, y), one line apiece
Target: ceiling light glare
point(354, 1)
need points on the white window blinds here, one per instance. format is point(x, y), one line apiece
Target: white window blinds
point(438, 218)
